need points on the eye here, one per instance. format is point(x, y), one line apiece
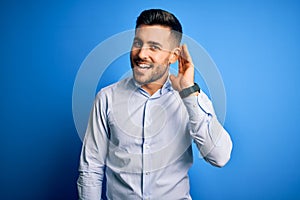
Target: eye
point(155, 47)
point(137, 44)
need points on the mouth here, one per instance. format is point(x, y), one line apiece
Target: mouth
point(143, 65)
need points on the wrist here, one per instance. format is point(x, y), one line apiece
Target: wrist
point(194, 94)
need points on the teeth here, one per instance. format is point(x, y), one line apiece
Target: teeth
point(144, 66)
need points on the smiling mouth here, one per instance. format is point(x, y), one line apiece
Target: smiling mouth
point(143, 65)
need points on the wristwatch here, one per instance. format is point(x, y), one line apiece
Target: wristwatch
point(190, 90)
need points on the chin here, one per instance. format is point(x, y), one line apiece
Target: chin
point(138, 81)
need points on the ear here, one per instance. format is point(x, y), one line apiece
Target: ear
point(174, 55)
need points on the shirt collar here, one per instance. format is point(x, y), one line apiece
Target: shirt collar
point(166, 87)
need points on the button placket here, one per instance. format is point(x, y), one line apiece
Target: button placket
point(147, 151)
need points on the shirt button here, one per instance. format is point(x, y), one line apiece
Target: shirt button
point(147, 147)
point(147, 173)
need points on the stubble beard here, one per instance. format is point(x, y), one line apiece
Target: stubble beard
point(154, 74)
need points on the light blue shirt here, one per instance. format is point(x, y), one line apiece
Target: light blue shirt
point(142, 143)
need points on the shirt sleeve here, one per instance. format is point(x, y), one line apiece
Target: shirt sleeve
point(93, 153)
point(212, 140)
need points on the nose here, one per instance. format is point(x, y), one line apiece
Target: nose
point(143, 52)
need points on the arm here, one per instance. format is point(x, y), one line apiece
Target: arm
point(212, 140)
point(93, 154)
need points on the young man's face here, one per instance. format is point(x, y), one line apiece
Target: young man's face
point(151, 54)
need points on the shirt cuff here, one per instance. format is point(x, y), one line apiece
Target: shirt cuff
point(198, 106)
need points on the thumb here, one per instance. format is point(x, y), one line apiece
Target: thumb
point(172, 78)
point(174, 82)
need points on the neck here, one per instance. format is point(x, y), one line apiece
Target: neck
point(151, 88)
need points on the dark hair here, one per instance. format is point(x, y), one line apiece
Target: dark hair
point(163, 18)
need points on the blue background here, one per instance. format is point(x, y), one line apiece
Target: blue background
point(255, 45)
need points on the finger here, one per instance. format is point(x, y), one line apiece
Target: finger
point(185, 54)
point(180, 65)
point(181, 62)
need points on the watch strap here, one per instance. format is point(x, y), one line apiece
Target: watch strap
point(190, 90)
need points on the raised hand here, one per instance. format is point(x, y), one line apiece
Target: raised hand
point(185, 77)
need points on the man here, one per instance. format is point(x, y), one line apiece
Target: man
point(140, 129)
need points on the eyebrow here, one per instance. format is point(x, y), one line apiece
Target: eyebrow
point(155, 43)
point(150, 42)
